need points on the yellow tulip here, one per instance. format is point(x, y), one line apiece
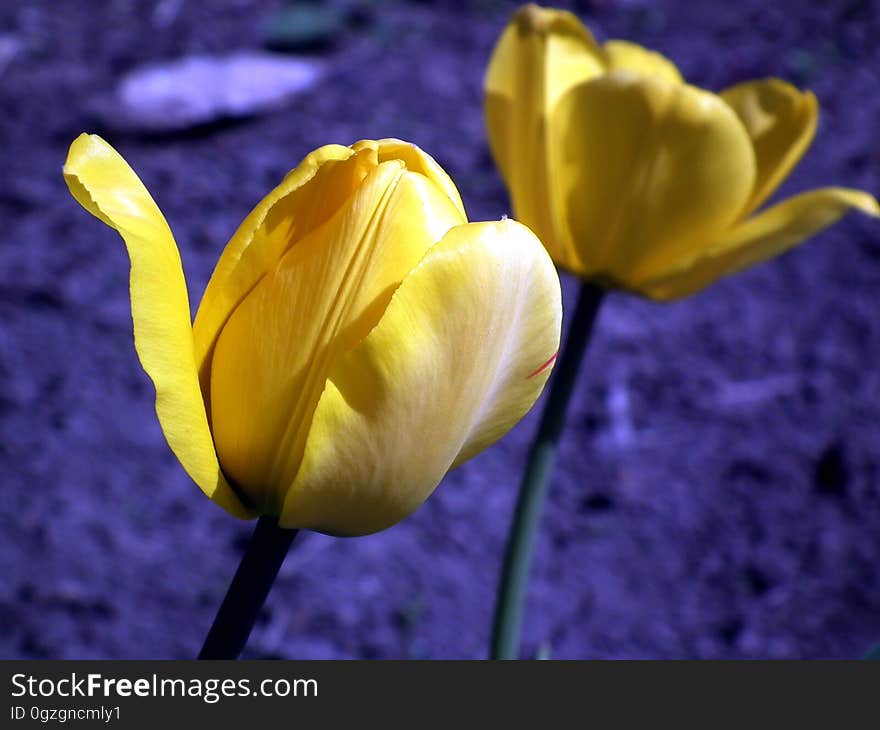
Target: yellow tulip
point(634, 179)
point(357, 339)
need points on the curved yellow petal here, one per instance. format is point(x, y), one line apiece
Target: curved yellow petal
point(305, 199)
point(761, 237)
point(646, 172)
point(416, 160)
point(539, 57)
point(781, 121)
point(318, 301)
point(104, 184)
point(633, 57)
point(459, 356)
point(541, 54)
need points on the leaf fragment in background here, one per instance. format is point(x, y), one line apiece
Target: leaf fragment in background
point(305, 26)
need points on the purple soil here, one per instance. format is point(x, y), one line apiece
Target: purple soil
point(718, 489)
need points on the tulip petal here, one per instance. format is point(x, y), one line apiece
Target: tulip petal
point(416, 160)
point(541, 55)
point(647, 171)
point(781, 121)
point(459, 356)
point(104, 184)
point(305, 199)
point(633, 57)
point(318, 301)
point(761, 237)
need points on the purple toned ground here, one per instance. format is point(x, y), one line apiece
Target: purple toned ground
point(719, 488)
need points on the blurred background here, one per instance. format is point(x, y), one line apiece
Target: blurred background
point(718, 494)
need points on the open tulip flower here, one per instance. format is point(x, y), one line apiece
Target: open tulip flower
point(637, 181)
point(357, 339)
point(634, 179)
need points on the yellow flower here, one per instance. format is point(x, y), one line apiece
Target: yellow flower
point(357, 339)
point(633, 178)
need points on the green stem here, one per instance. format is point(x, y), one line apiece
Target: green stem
point(536, 479)
point(251, 584)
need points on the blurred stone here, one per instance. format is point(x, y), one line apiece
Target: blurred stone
point(202, 89)
point(165, 12)
point(10, 47)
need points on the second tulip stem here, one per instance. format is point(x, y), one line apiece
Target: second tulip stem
point(536, 479)
point(251, 584)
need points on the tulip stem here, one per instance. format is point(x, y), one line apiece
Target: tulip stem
point(536, 478)
point(251, 584)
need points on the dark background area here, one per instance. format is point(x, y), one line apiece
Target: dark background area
point(718, 489)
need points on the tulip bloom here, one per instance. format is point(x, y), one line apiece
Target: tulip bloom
point(357, 339)
point(634, 179)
